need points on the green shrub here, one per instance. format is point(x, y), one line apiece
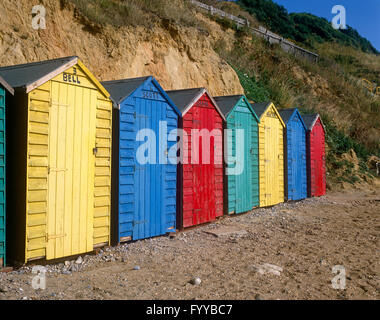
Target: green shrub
point(340, 143)
point(224, 23)
point(253, 90)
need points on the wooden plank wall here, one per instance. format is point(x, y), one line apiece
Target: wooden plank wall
point(37, 171)
point(102, 192)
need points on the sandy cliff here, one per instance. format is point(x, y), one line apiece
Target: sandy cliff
point(177, 57)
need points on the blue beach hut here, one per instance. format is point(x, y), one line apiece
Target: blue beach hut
point(144, 173)
point(295, 154)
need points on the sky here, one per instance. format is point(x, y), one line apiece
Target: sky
point(362, 15)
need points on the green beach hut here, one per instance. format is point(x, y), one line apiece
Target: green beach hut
point(242, 162)
point(4, 87)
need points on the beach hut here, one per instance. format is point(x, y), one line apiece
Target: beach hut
point(4, 88)
point(144, 190)
point(201, 182)
point(271, 154)
point(295, 154)
point(316, 155)
point(242, 168)
point(59, 169)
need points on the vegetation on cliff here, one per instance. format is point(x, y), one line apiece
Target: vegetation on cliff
point(304, 27)
point(331, 87)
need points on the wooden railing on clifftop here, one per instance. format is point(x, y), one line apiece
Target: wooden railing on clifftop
point(271, 37)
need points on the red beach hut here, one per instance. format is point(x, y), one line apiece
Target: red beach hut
point(316, 155)
point(201, 184)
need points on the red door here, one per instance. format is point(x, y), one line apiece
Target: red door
point(318, 162)
point(202, 181)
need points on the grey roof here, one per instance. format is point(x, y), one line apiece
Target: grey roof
point(182, 98)
point(286, 114)
point(6, 86)
point(260, 108)
point(309, 120)
point(22, 75)
point(121, 89)
point(227, 103)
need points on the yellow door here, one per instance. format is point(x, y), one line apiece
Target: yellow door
point(71, 170)
point(271, 161)
point(268, 162)
point(275, 161)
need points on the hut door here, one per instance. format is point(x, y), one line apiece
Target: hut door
point(244, 180)
point(199, 185)
point(316, 161)
point(71, 170)
point(294, 153)
point(276, 156)
point(300, 161)
point(319, 155)
point(149, 178)
point(142, 181)
point(204, 173)
point(313, 164)
point(269, 169)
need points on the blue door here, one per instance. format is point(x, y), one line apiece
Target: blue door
point(296, 145)
point(147, 182)
point(154, 183)
point(302, 172)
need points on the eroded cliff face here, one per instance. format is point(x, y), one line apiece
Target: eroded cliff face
point(178, 57)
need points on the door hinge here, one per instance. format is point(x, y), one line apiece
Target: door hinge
point(57, 104)
point(55, 170)
point(135, 223)
point(95, 151)
point(54, 236)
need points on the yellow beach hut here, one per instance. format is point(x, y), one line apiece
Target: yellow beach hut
point(271, 154)
point(59, 160)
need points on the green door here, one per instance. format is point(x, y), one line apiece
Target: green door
point(243, 188)
point(2, 177)
point(243, 181)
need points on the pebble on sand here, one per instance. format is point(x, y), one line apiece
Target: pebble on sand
point(196, 281)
